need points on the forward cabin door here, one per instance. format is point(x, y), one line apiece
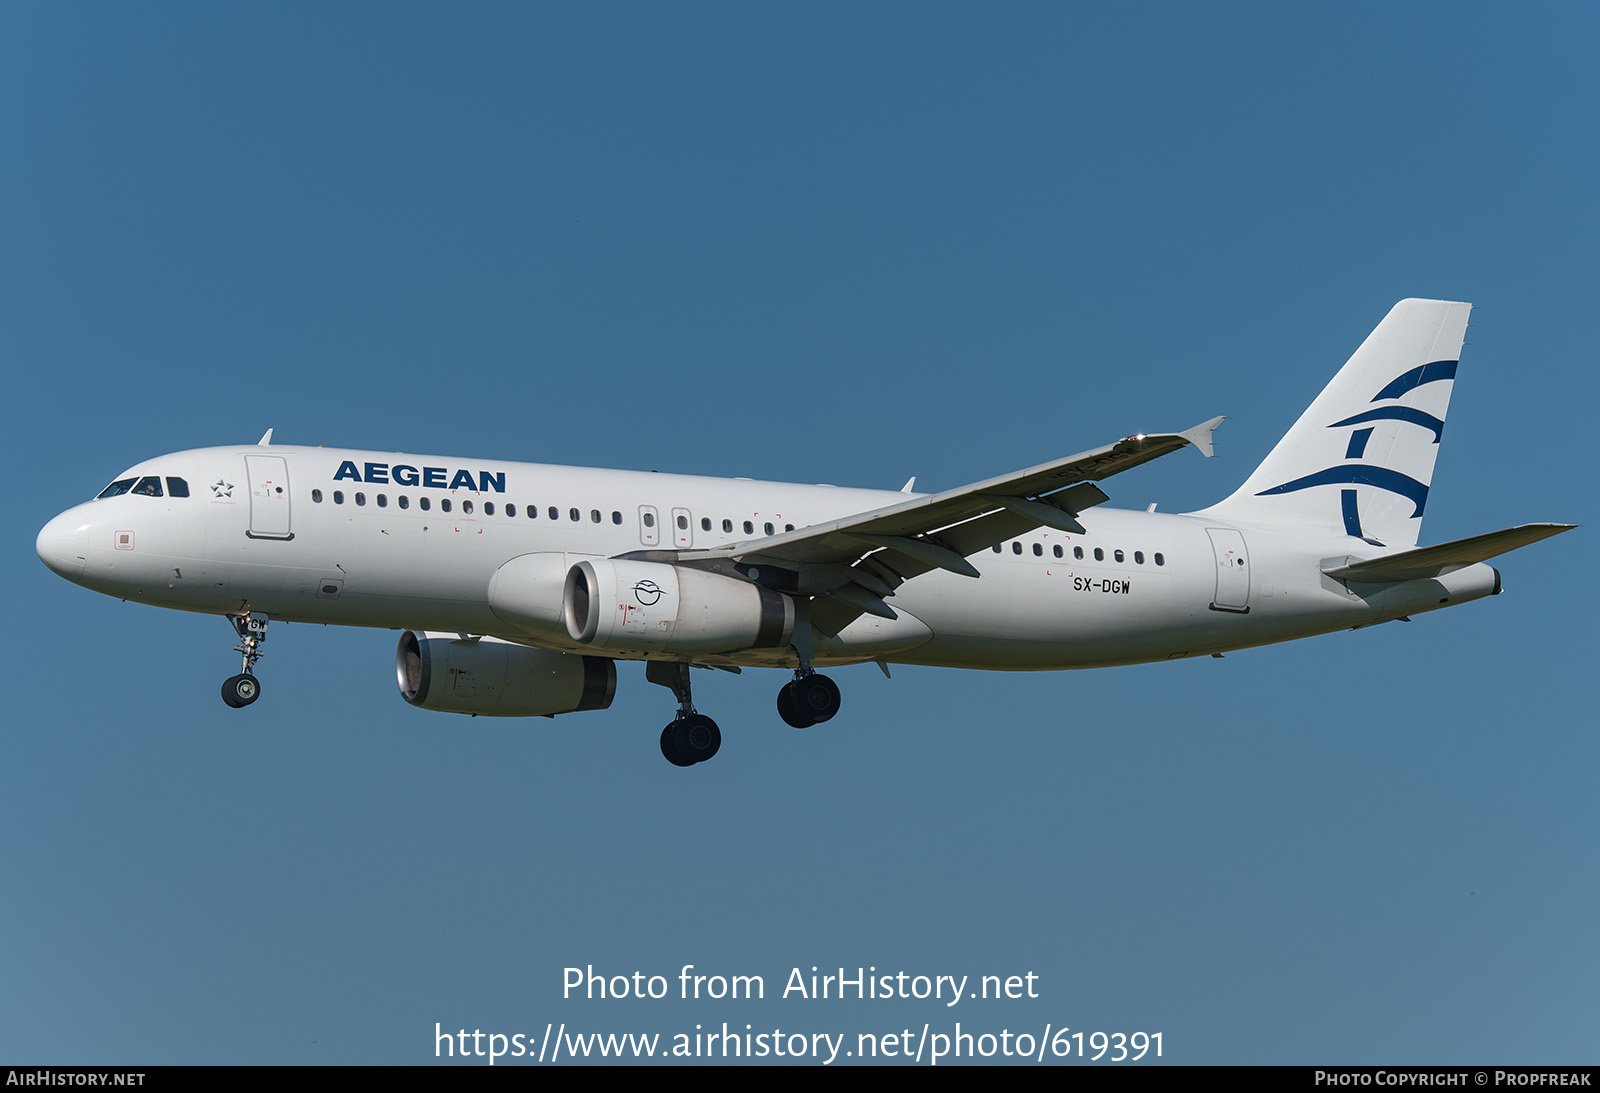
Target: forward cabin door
point(269, 496)
point(1233, 570)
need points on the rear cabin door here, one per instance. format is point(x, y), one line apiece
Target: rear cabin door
point(1233, 570)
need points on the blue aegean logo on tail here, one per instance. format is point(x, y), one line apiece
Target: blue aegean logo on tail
point(1365, 474)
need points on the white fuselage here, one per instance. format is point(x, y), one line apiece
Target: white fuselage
point(388, 540)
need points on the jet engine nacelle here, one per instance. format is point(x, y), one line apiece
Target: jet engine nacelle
point(526, 592)
point(452, 674)
point(621, 606)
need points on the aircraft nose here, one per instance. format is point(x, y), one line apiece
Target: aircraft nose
point(63, 544)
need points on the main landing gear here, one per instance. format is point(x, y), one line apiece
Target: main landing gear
point(808, 699)
point(691, 737)
point(244, 688)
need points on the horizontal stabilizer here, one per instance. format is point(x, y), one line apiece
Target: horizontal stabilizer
point(1434, 561)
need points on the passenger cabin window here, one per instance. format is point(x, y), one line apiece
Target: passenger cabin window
point(424, 504)
point(338, 497)
point(383, 500)
point(574, 514)
point(594, 516)
point(1099, 555)
point(405, 502)
point(361, 499)
point(1057, 549)
point(705, 523)
point(316, 495)
point(649, 519)
point(749, 528)
point(555, 513)
point(727, 525)
point(488, 508)
point(511, 510)
point(444, 504)
point(466, 507)
point(616, 517)
point(1160, 560)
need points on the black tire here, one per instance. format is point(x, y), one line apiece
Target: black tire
point(698, 737)
point(241, 690)
point(669, 748)
point(787, 709)
point(816, 697)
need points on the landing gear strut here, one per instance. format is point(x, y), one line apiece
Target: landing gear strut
point(244, 688)
point(691, 737)
point(808, 699)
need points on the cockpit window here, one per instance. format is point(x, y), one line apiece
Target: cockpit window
point(118, 488)
point(177, 487)
point(149, 486)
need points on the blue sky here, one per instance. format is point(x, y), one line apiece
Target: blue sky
point(812, 243)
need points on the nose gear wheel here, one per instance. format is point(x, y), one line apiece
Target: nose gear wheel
point(244, 688)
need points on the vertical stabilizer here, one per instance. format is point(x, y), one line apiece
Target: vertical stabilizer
point(1360, 459)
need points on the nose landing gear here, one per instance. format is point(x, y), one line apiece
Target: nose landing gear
point(245, 688)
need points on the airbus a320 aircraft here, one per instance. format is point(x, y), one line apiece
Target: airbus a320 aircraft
point(519, 586)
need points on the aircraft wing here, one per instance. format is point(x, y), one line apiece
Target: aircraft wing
point(859, 560)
